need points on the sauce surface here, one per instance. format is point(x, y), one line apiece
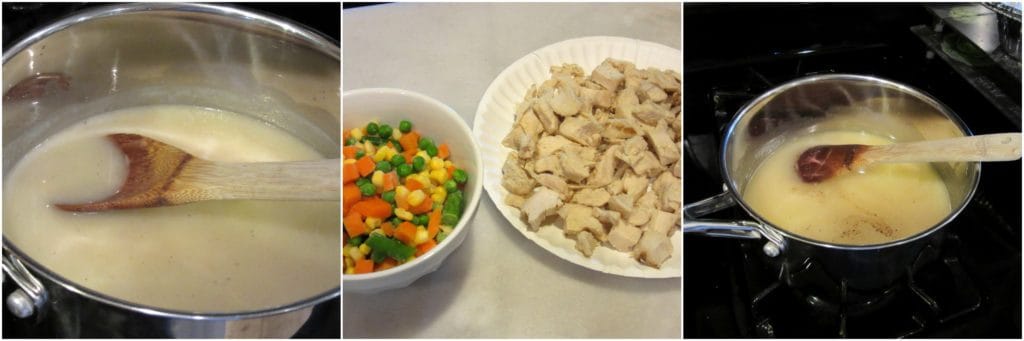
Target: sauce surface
point(883, 203)
point(216, 256)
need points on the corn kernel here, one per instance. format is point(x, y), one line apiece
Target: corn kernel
point(391, 153)
point(357, 133)
point(381, 153)
point(438, 197)
point(364, 249)
point(448, 163)
point(423, 154)
point(372, 222)
point(369, 148)
point(349, 263)
point(355, 254)
point(421, 235)
point(377, 179)
point(351, 271)
point(438, 176)
point(401, 192)
point(416, 197)
point(403, 214)
point(396, 134)
point(348, 161)
point(436, 163)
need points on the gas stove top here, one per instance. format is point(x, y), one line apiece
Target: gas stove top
point(968, 287)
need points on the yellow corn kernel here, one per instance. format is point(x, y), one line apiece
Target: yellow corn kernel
point(349, 263)
point(423, 154)
point(378, 179)
point(348, 161)
point(421, 235)
point(438, 194)
point(372, 222)
point(401, 192)
point(448, 163)
point(351, 271)
point(415, 198)
point(438, 197)
point(369, 148)
point(381, 153)
point(438, 176)
point(403, 214)
point(357, 133)
point(355, 254)
point(364, 249)
point(396, 134)
point(391, 153)
point(436, 163)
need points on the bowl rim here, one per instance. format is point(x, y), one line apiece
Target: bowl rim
point(467, 214)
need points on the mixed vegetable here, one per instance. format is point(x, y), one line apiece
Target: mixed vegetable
point(402, 196)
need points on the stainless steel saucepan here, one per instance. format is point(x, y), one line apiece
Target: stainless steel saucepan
point(802, 106)
point(129, 55)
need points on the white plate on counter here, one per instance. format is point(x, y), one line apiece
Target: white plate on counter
point(495, 118)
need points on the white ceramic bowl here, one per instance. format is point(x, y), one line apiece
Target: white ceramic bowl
point(439, 122)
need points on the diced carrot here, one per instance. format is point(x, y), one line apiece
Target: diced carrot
point(364, 266)
point(345, 134)
point(349, 173)
point(424, 207)
point(390, 181)
point(410, 141)
point(373, 207)
point(366, 165)
point(354, 224)
point(451, 170)
point(386, 264)
point(409, 155)
point(434, 224)
point(351, 196)
point(387, 228)
point(406, 232)
point(426, 246)
point(350, 151)
point(442, 151)
point(412, 184)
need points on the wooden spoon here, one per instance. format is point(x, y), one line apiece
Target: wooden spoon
point(823, 162)
point(162, 175)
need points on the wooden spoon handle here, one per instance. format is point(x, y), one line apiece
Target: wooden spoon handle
point(991, 147)
point(302, 180)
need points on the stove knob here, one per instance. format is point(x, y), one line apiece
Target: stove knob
point(20, 304)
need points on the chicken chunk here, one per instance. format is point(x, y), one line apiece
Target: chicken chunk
point(514, 178)
point(632, 150)
point(554, 183)
point(648, 165)
point(594, 197)
point(661, 222)
point(548, 164)
point(604, 171)
point(621, 203)
point(660, 137)
point(623, 236)
point(607, 76)
point(668, 189)
point(514, 200)
point(607, 217)
point(573, 167)
point(586, 243)
point(543, 203)
point(581, 130)
point(653, 248)
point(619, 128)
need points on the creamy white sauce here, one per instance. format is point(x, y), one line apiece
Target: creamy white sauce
point(217, 256)
point(883, 203)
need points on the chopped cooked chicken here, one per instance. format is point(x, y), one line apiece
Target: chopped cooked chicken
point(573, 167)
point(623, 236)
point(603, 151)
point(660, 137)
point(653, 248)
point(514, 178)
point(540, 205)
point(586, 243)
point(594, 197)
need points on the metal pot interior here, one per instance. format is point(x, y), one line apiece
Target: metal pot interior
point(131, 55)
point(842, 103)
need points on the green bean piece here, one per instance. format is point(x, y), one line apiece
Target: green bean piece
point(360, 153)
point(404, 126)
point(393, 248)
point(398, 146)
point(372, 129)
point(449, 219)
point(441, 236)
point(460, 176)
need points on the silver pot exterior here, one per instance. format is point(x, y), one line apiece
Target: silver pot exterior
point(128, 55)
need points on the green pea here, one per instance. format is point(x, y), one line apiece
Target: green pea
point(351, 141)
point(421, 219)
point(368, 189)
point(356, 241)
point(425, 142)
point(431, 150)
point(395, 221)
point(418, 163)
point(360, 153)
point(404, 170)
point(460, 176)
point(397, 161)
point(385, 131)
point(388, 196)
point(450, 186)
point(404, 126)
point(361, 181)
point(372, 129)
point(384, 166)
point(375, 140)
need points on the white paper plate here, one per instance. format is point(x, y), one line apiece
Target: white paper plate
point(495, 117)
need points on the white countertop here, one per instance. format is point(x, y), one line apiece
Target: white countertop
point(498, 283)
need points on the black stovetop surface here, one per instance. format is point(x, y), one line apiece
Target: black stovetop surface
point(21, 19)
point(733, 53)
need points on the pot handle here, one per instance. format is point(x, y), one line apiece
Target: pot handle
point(740, 229)
point(31, 294)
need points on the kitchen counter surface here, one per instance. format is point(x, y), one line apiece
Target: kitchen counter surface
point(498, 283)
